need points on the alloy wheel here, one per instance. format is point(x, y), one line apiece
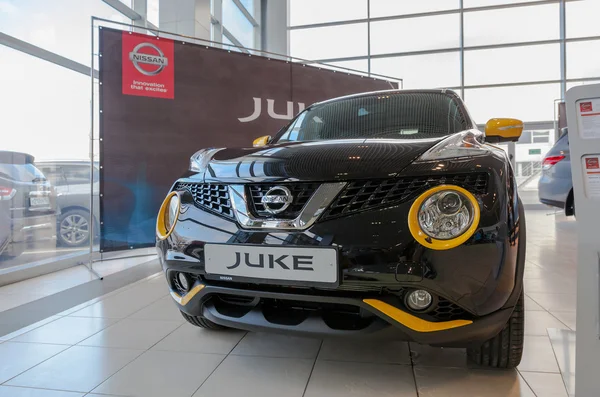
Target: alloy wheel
point(74, 229)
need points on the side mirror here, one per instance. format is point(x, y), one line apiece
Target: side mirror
point(262, 141)
point(503, 130)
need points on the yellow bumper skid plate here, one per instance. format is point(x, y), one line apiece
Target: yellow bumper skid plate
point(413, 322)
point(183, 300)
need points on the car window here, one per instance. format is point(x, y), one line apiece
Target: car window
point(77, 174)
point(21, 172)
point(53, 174)
point(387, 116)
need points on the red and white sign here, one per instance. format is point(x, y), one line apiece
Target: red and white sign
point(591, 175)
point(586, 107)
point(592, 163)
point(148, 66)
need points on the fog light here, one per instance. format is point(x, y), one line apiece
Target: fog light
point(184, 281)
point(418, 300)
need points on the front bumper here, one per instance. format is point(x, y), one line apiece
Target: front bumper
point(371, 318)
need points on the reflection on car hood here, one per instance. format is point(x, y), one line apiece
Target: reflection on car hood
point(317, 161)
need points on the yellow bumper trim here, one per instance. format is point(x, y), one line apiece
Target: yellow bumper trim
point(183, 300)
point(413, 322)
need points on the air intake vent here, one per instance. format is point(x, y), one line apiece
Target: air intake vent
point(446, 311)
point(365, 195)
point(212, 197)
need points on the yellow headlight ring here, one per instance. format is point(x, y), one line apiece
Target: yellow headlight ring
point(161, 229)
point(430, 242)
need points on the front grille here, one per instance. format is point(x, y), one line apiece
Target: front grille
point(301, 193)
point(446, 311)
point(209, 196)
point(365, 195)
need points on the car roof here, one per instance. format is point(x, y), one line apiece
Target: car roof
point(8, 157)
point(387, 92)
point(63, 162)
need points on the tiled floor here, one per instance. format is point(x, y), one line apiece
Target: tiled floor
point(133, 342)
point(23, 292)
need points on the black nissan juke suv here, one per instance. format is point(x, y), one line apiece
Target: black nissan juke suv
point(384, 214)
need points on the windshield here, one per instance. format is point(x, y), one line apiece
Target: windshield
point(414, 115)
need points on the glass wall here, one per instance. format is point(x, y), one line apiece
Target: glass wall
point(503, 57)
point(45, 167)
point(479, 50)
point(236, 23)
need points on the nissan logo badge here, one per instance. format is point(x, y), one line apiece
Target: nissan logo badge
point(159, 60)
point(277, 199)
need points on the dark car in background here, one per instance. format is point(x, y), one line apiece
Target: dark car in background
point(71, 179)
point(556, 184)
point(27, 204)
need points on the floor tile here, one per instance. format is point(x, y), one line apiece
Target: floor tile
point(276, 345)
point(10, 391)
point(462, 382)
point(66, 330)
point(162, 309)
point(334, 378)
point(393, 352)
point(51, 283)
point(563, 343)
point(125, 303)
point(16, 358)
point(111, 266)
point(545, 385)
point(257, 377)
point(570, 384)
point(101, 395)
point(161, 374)
point(132, 334)
point(531, 305)
point(567, 318)
point(555, 302)
point(538, 355)
point(188, 338)
point(551, 284)
point(79, 368)
point(423, 355)
point(29, 328)
point(10, 301)
point(537, 323)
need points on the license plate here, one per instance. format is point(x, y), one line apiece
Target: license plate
point(282, 264)
point(39, 201)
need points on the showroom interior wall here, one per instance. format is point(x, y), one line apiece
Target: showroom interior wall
point(45, 53)
point(505, 58)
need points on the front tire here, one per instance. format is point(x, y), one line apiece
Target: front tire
point(505, 349)
point(202, 322)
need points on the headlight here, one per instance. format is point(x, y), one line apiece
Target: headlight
point(462, 144)
point(171, 213)
point(167, 216)
point(199, 160)
point(444, 217)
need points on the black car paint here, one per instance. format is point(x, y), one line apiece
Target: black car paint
point(370, 253)
point(483, 276)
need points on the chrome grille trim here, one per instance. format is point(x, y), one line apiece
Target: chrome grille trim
point(315, 206)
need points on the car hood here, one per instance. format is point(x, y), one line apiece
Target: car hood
point(316, 161)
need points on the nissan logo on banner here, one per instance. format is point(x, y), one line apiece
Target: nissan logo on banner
point(139, 59)
point(148, 66)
